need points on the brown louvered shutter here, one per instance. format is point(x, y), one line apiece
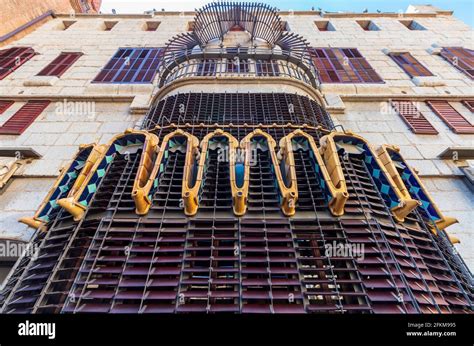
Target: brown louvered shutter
point(413, 118)
point(4, 105)
point(410, 65)
point(451, 117)
point(59, 65)
point(13, 58)
point(23, 118)
point(469, 104)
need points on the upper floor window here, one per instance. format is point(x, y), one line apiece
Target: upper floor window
point(66, 24)
point(343, 65)
point(410, 65)
point(85, 6)
point(412, 25)
point(190, 26)
point(207, 67)
point(109, 25)
point(59, 65)
point(267, 68)
point(152, 25)
point(461, 58)
point(131, 65)
point(13, 58)
point(237, 65)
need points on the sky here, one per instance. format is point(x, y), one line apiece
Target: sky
point(463, 9)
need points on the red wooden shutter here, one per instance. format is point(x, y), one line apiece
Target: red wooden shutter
point(451, 117)
point(4, 105)
point(23, 118)
point(469, 105)
point(413, 118)
point(59, 65)
point(13, 58)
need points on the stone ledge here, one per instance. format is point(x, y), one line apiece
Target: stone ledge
point(40, 81)
point(428, 81)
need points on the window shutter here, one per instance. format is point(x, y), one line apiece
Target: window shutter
point(13, 58)
point(469, 105)
point(131, 65)
point(4, 105)
point(461, 58)
point(59, 65)
point(343, 65)
point(451, 117)
point(23, 118)
point(410, 65)
point(413, 118)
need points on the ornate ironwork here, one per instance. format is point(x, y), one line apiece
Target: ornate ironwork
point(261, 21)
point(214, 20)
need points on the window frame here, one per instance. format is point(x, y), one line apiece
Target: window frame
point(328, 61)
point(116, 71)
point(463, 62)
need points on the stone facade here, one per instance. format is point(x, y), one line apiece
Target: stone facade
point(111, 108)
point(26, 11)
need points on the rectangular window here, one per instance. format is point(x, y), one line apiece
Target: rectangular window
point(451, 117)
point(343, 65)
point(324, 25)
point(4, 105)
point(23, 118)
point(67, 24)
point(267, 68)
point(13, 58)
point(207, 67)
point(131, 65)
point(412, 25)
point(413, 118)
point(59, 65)
point(285, 26)
point(367, 25)
point(109, 25)
point(190, 26)
point(410, 65)
point(152, 25)
point(461, 58)
point(469, 105)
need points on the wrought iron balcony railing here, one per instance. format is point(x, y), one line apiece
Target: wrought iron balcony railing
point(238, 62)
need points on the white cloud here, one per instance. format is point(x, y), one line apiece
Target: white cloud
point(139, 6)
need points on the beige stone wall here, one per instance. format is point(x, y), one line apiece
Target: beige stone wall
point(454, 199)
